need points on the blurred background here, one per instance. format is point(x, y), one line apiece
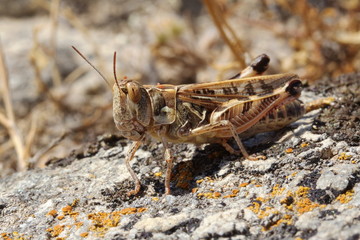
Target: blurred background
point(54, 105)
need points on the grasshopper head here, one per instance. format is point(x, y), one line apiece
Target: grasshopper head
point(131, 104)
point(131, 108)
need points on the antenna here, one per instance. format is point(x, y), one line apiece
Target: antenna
point(78, 52)
point(115, 77)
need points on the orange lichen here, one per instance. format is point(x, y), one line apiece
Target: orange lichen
point(255, 207)
point(297, 202)
point(199, 181)
point(344, 156)
point(209, 179)
point(75, 202)
point(304, 145)
point(52, 213)
point(158, 174)
point(78, 224)
point(302, 203)
point(127, 211)
point(230, 196)
point(217, 194)
point(266, 212)
point(84, 234)
point(194, 190)
point(289, 150)
point(13, 236)
point(74, 215)
point(205, 179)
point(263, 212)
point(292, 175)
point(346, 197)
point(287, 219)
point(302, 191)
point(234, 193)
point(276, 190)
point(261, 199)
point(103, 221)
point(67, 209)
point(209, 195)
point(56, 230)
point(243, 184)
point(155, 199)
point(5, 236)
point(305, 205)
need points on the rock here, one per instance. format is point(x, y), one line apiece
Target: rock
point(356, 198)
point(308, 220)
point(222, 224)
point(337, 178)
point(342, 226)
point(160, 224)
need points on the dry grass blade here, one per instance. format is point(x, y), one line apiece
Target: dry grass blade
point(6, 88)
point(33, 57)
point(227, 33)
point(54, 15)
point(75, 75)
point(30, 138)
point(8, 120)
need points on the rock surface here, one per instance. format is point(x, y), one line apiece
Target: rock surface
point(308, 188)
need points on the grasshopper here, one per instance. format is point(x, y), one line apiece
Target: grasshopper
point(238, 108)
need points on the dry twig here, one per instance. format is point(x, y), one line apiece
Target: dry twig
point(8, 119)
point(227, 33)
point(54, 16)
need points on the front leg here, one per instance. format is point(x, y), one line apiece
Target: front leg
point(133, 148)
point(169, 164)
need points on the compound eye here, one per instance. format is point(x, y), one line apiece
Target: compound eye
point(294, 88)
point(134, 92)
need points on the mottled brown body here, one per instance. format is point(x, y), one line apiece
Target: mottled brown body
point(205, 113)
point(241, 107)
point(197, 113)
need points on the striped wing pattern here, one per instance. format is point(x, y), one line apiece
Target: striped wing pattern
point(245, 89)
